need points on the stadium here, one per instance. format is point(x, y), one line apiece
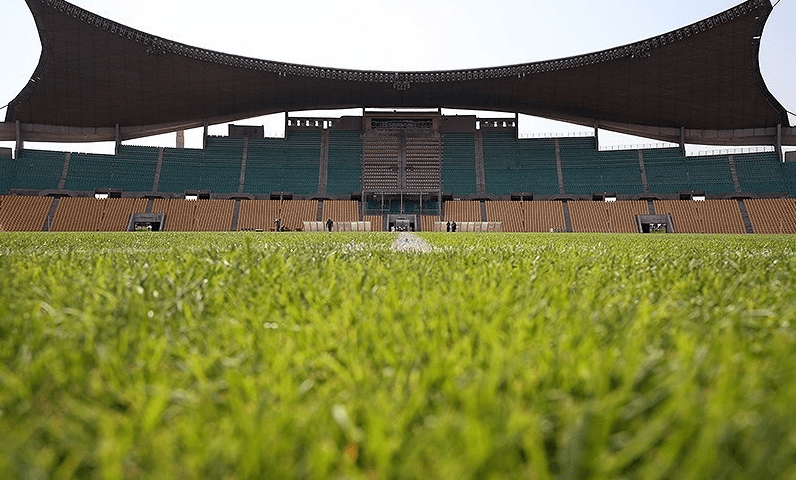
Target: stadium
point(241, 342)
point(402, 163)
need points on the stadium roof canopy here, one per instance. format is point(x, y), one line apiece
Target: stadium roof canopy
point(100, 80)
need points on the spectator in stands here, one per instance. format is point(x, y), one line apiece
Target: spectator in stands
point(449, 226)
point(453, 227)
point(329, 224)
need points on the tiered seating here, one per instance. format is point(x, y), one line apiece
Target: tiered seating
point(544, 216)
point(284, 165)
point(710, 173)
point(423, 164)
point(216, 168)
point(181, 170)
point(500, 163)
point(23, 214)
point(93, 215)
point(458, 164)
point(760, 172)
point(619, 172)
point(666, 171)
point(457, 211)
point(587, 170)
point(510, 214)
point(6, 174)
point(669, 172)
point(221, 165)
point(294, 212)
point(345, 162)
point(258, 214)
point(380, 163)
point(195, 215)
point(772, 215)
point(537, 171)
point(376, 222)
point(607, 217)
point(580, 166)
point(37, 170)
point(427, 222)
point(134, 168)
point(789, 177)
point(341, 210)
point(302, 161)
point(711, 216)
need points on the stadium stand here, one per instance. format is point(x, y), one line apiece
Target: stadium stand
point(379, 163)
point(23, 214)
point(376, 222)
point(501, 169)
point(607, 217)
point(215, 168)
point(510, 214)
point(423, 163)
point(544, 216)
point(710, 216)
point(341, 210)
point(258, 214)
point(37, 170)
point(95, 215)
point(458, 163)
point(345, 162)
point(772, 215)
point(195, 215)
point(587, 170)
point(537, 171)
point(760, 172)
point(427, 222)
point(284, 165)
point(668, 171)
point(462, 211)
point(295, 212)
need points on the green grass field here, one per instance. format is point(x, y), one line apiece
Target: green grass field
point(259, 355)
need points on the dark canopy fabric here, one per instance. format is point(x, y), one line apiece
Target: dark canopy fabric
point(95, 74)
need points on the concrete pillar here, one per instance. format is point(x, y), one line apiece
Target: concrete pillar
point(181, 139)
point(20, 144)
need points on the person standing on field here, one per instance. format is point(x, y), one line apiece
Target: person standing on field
point(329, 224)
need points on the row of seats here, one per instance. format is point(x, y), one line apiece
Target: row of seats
point(448, 162)
point(92, 215)
point(29, 213)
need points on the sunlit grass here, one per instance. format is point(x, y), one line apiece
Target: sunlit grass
point(255, 355)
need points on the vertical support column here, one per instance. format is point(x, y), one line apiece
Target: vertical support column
point(20, 143)
point(180, 139)
point(480, 174)
point(118, 138)
point(559, 169)
point(204, 133)
point(242, 179)
point(778, 145)
point(643, 170)
point(323, 168)
point(682, 141)
point(597, 135)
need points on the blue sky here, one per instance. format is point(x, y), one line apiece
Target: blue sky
point(399, 35)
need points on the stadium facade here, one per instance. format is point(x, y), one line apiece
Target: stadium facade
point(98, 80)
